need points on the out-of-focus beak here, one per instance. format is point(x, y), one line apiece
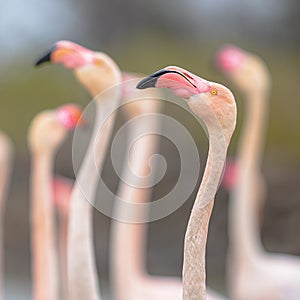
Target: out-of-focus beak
point(46, 57)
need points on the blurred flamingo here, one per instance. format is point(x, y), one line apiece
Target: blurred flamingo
point(215, 105)
point(97, 72)
point(46, 133)
point(6, 157)
point(130, 279)
point(252, 272)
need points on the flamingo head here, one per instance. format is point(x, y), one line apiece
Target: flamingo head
point(95, 70)
point(49, 128)
point(229, 58)
point(70, 115)
point(69, 54)
point(183, 83)
point(212, 102)
point(246, 70)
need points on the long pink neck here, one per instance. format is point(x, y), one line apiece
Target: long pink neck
point(194, 275)
point(246, 196)
point(128, 240)
point(82, 273)
point(44, 250)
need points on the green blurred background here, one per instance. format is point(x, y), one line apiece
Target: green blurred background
point(144, 36)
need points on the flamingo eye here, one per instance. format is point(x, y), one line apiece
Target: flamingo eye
point(214, 92)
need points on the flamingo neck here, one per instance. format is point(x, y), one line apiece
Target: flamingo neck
point(97, 79)
point(194, 275)
point(251, 147)
point(45, 264)
point(82, 272)
point(246, 202)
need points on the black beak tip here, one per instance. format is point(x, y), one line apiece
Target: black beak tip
point(151, 80)
point(45, 58)
point(147, 83)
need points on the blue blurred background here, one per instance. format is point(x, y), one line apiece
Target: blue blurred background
point(144, 36)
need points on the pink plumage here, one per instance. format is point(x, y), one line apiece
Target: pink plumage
point(70, 115)
point(229, 58)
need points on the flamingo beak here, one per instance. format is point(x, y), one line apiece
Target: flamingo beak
point(151, 80)
point(183, 83)
point(46, 57)
point(172, 74)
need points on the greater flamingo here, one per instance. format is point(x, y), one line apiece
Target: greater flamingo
point(253, 273)
point(130, 279)
point(46, 133)
point(97, 72)
point(6, 157)
point(215, 105)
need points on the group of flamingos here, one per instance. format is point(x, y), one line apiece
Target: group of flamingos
point(70, 273)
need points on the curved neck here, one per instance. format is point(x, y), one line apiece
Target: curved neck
point(194, 276)
point(97, 79)
point(44, 250)
point(250, 148)
point(245, 201)
point(82, 273)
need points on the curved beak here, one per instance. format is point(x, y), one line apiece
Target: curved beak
point(152, 79)
point(46, 57)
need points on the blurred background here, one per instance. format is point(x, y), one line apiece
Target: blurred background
point(144, 36)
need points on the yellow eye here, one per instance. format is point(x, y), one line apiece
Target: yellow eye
point(214, 92)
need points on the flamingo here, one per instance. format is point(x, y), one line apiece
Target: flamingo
point(6, 157)
point(215, 105)
point(97, 72)
point(46, 133)
point(253, 273)
point(130, 279)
